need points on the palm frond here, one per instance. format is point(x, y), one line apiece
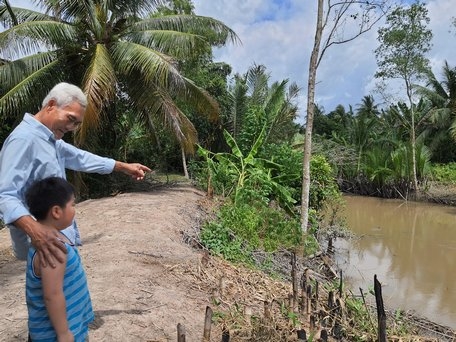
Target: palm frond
point(293, 91)
point(66, 10)
point(96, 21)
point(154, 66)
point(401, 113)
point(160, 101)
point(257, 81)
point(238, 97)
point(12, 73)
point(130, 8)
point(275, 98)
point(177, 44)
point(28, 94)
point(214, 30)
point(155, 103)
point(7, 13)
point(434, 96)
point(99, 85)
point(176, 120)
point(20, 15)
point(35, 36)
point(200, 99)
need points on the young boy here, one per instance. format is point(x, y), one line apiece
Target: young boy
point(58, 299)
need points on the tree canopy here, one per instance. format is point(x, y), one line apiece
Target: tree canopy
point(111, 49)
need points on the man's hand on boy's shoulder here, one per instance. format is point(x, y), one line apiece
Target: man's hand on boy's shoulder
point(46, 240)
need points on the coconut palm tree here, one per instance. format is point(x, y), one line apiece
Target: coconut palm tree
point(257, 105)
point(368, 108)
point(441, 127)
point(342, 120)
point(110, 49)
point(363, 127)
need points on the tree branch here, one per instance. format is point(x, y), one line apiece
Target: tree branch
point(369, 17)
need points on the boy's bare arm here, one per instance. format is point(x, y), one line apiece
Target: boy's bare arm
point(52, 280)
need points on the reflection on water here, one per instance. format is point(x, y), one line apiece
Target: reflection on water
point(412, 249)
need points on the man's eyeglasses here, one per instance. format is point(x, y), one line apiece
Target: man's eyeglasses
point(73, 121)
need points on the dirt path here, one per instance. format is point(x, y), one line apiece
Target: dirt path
point(132, 244)
point(143, 278)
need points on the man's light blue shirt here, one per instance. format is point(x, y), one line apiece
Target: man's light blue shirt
point(31, 153)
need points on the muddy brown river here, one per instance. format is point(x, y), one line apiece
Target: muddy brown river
point(411, 247)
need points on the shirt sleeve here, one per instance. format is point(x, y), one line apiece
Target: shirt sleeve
point(16, 165)
point(80, 160)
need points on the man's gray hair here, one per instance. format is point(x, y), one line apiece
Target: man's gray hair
point(65, 94)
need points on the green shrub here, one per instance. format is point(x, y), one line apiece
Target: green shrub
point(323, 187)
point(241, 228)
point(289, 172)
point(445, 173)
point(262, 185)
point(220, 240)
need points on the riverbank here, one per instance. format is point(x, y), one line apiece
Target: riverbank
point(440, 193)
point(409, 246)
point(147, 273)
point(139, 269)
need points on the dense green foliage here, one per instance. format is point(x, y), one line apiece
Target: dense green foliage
point(371, 149)
point(444, 173)
point(128, 57)
point(247, 220)
point(260, 174)
point(250, 152)
point(262, 198)
point(440, 128)
point(128, 49)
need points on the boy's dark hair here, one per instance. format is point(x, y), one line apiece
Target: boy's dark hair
point(46, 193)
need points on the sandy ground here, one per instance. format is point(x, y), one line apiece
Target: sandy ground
point(143, 278)
point(132, 244)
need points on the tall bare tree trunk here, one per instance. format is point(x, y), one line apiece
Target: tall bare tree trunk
point(184, 163)
point(413, 139)
point(309, 120)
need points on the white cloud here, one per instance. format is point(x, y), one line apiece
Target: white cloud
point(23, 4)
point(444, 40)
point(282, 41)
point(280, 33)
point(273, 33)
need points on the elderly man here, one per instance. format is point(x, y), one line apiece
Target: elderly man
point(33, 151)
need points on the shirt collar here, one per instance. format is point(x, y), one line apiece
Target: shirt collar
point(38, 127)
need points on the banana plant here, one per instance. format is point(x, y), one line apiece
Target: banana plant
point(243, 169)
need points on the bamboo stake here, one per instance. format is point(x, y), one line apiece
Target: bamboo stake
point(180, 333)
point(380, 310)
point(302, 336)
point(294, 278)
point(207, 325)
point(225, 335)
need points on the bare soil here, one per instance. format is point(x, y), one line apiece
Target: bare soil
point(134, 257)
point(145, 277)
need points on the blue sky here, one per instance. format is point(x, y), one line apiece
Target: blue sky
point(279, 34)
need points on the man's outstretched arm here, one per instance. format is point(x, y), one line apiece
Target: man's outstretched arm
point(135, 170)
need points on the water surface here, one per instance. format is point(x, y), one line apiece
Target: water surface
point(411, 247)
